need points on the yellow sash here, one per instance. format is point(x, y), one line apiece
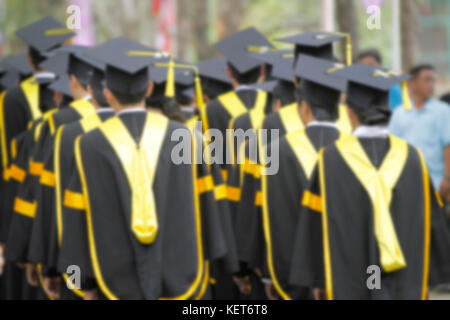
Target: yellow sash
point(304, 150)
point(31, 91)
point(82, 107)
point(290, 118)
point(91, 122)
point(257, 114)
point(379, 185)
point(307, 157)
point(343, 122)
point(87, 123)
point(139, 162)
point(3, 143)
point(231, 102)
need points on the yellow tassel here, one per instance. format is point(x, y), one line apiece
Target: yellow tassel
point(57, 32)
point(199, 91)
point(144, 222)
point(170, 84)
point(405, 96)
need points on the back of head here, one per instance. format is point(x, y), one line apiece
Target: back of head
point(248, 77)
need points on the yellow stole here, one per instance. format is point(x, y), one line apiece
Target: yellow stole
point(236, 108)
point(343, 122)
point(379, 185)
point(139, 162)
point(3, 143)
point(31, 91)
point(82, 107)
point(307, 157)
point(290, 118)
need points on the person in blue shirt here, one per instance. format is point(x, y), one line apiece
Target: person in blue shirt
point(427, 126)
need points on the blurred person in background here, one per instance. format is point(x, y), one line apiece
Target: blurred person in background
point(427, 126)
point(372, 57)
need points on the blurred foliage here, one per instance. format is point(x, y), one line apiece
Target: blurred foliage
point(275, 18)
point(19, 13)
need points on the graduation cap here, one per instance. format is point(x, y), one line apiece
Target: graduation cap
point(270, 56)
point(318, 44)
point(9, 79)
point(214, 78)
point(61, 85)
point(20, 63)
point(282, 68)
point(369, 86)
point(214, 69)
point(236, 47)
point(45, 34)
point(171, 68)
point(127, 63)
point(268, 86)
point(57, 63)
point(319, 86)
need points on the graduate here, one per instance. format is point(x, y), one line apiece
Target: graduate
point(320, 45)
point(211, 192)
point(318, 109)
point(142, 234)
point(243, 70)
point(64, 160)
point(371, 211)
point(211, 81)
point(25, 103)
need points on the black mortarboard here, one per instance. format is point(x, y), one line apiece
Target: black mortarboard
point(270, 56)
point(369, 86)
point(183, 76)
point(316, 44)
point(127, 63)
point(283, 69)
point(319, 86)
point(235, 49)
point(20, 63)
point(9, 79)
point(61, 85)
point(57, 63)
point(268, 86)
point(45, 34)
point(214, 78)
point(215, 69)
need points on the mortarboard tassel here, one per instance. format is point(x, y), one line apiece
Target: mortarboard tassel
point(170, 82)
point(57, 32)
point(405, 96)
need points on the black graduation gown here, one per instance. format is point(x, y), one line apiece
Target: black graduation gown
point(122, 266)
point(213, 200)
point(65, 143)
point(219, 118)
point(16, 116)
point(343, 208)
point(282, 203)
point(43, 192)
point(248, 208)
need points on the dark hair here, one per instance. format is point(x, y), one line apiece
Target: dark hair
point(169, 106)
point(322, 111)
point(285, 92)
point(248, 77)
point(446, 98)
point(374, 115)
point(36, 57)
point(129, 98)
point(415, 71)
point(374, 53)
